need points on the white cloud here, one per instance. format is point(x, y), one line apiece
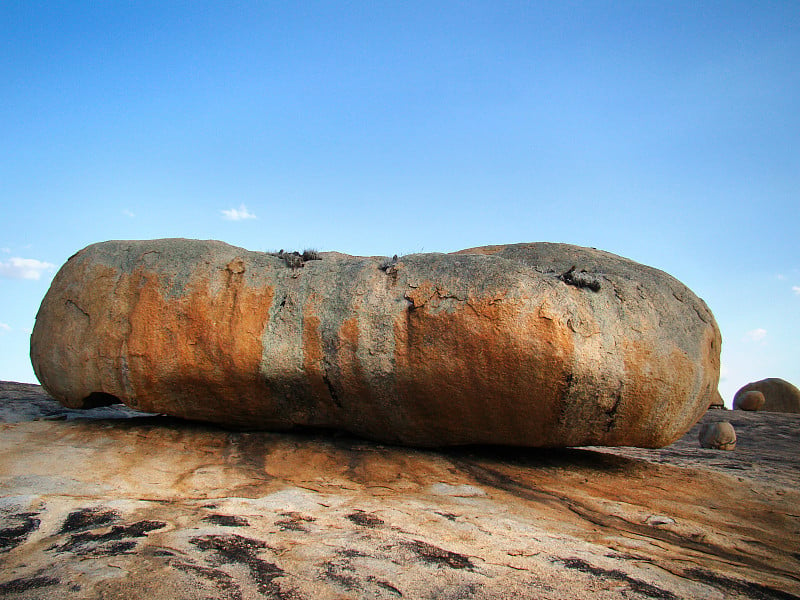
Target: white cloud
point(24, 268)
point(4, 327)
point(128, 212)
point(238, 214)
point(756, 335)
point(796, 290)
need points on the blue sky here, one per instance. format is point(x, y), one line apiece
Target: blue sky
point(666, 132)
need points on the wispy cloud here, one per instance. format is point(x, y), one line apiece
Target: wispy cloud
point(4, 327)
point(756, 335)
point(128, 212)
point(24, 268)
point(796, 290)
point(238, 214)
point(5, 250)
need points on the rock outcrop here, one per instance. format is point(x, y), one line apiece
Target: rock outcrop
point(779, 395)
point(752, 400)
point(528, 344)
point(118, 506)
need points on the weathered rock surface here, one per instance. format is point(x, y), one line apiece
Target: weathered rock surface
point(752, 400)
point(779, 395)
point(98, 504)
point(526, 345)
point(716, 401)
point(718, 435)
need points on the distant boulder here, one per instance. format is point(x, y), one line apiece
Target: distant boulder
point(752, 400)
point(779, 395)
point(717, 436)
point(526, 345)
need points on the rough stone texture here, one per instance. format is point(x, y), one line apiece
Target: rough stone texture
point(752, 400)
point(151, 507)
point(717, 401)
point(528, 344)
point(718, 435)
point(779, 395)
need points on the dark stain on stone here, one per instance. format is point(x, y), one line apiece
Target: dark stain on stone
point(23, 584)
point(221, 580)
point(350, 553)
point(364, 519)
point(756, 591)
point(437, 556)
point(227, 520)
point(385, 585)
point(334, 573)
point(88, 518)
point(447, 515)
point(294, 522)
point(89, 543)
point(636, 585)
point(236, 549)
point(290, 525)
point(17, 527)
point(115, 548)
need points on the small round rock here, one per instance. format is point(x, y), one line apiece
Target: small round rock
point(719, 436)
point(752, 400)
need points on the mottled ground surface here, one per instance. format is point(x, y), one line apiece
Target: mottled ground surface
point(108, 503)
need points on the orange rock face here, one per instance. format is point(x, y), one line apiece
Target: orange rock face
point(527, 344)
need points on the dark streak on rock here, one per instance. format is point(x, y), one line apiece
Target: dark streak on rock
point(218, 577)
point(88, 542)
point(23, 584)
point(87, 518)
point(756, 591)
point(636, 585)
point(350, 553)
point(611, 413)
point(365, 520)
point(438, 556)
point(236, 549)
point(331, 390)
point(333, 573)
point(19, 527)
point(447, 515)
point(227, 520)
point(385, 585)
point(294, 522)
point(115, 549)
point(492, 477)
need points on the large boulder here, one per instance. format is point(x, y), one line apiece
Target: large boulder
point(528, 344)
point(779, 395)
